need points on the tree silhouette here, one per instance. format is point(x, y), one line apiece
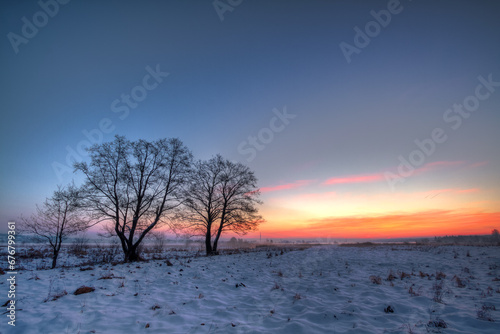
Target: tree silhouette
point(134, 185)
point(220, 196)
point(60, 216)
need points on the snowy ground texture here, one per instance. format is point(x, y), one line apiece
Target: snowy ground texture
point(383, 289)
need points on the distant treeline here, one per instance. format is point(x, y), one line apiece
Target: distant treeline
point(472, 240)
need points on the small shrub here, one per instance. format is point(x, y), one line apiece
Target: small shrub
point(413, 293)
point(437, 323)
point(55, 296)
point(438, 290)
point(440, 275)
point(404, 275)
point(459, 282)
point(86, 268)
point(484, 312)
point(388, 309)
point(108, 276)
point(422, 274)
point(376, 279)
point(79, 246)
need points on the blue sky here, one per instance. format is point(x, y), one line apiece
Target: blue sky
point(226, 77)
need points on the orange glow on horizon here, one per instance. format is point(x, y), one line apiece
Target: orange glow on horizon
point(406, 225)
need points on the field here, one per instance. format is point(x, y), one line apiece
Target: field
point(321, 289)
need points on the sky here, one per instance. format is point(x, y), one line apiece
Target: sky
point(361, 119)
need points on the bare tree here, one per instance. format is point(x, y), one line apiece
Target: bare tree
point(221, 196)
point(60, 216)
point(239, 197)
point(134, 185)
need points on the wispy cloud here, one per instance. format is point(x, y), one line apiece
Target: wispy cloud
point(287, 186)
point(479, 164)
point(363, 178)
point(432, 166)
point(434, 193)
point(377, 177)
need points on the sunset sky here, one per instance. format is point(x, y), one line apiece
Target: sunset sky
point(361, 119)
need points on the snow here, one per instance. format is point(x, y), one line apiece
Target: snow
point(318, 290)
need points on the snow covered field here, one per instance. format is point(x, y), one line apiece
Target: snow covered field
point(383, 289)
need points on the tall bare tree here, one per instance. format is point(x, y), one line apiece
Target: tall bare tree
point(60, 216)
point(220, 196)
point(134, 185)
point(239, 199)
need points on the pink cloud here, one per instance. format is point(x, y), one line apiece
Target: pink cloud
point(375, 177)
point(479, 164)
point(287, 186)
point(355, 179)
point(436, 165)
point(434, 193)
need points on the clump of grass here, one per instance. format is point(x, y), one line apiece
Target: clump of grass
point(489, 292)
point(55, 296)
point(391, 276)
point(276, 286)
point(297, 297)
point(437, 323)
point(422, 274)
point(376, 279)
point(86, 268)
point(484, 313)
point(413, 293)
point(438, 290)
point(458, 281)
point(440, 275)
point(107, 276)
point(404, 275)
point(155, 307)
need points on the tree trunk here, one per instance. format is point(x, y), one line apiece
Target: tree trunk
point(208, 243)
point(54, 258)
point(216, 242)
point(219, 230)
point(214, 248)
point(131, 254)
